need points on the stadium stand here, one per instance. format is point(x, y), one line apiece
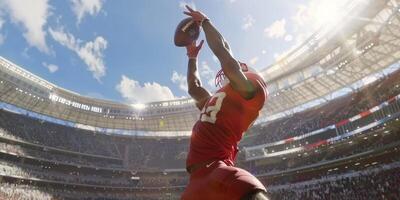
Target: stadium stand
point(57, 155)
point(90, 145)
point(380, 183)
point(327, 114)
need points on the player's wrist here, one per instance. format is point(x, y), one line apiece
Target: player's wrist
point(192, 58)
point(200, 18)
point(205, 20)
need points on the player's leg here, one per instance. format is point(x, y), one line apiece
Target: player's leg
point(235, 183)
point(255, 195)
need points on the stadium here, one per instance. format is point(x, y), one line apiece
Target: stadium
point(329, 130)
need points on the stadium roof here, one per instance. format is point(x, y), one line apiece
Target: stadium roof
point(364, 42)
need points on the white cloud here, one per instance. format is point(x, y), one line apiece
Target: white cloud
point(207, 74)
point(248, 22)
point(276, 29)
point(288, 38)
point(302, 16)
point(205, 69)
point(179, 79)
point(91, 52)
point(65, 39)
point(133, 92)
point(51, 67)
point(32, 16)
point(84, 7)
point(254, 60)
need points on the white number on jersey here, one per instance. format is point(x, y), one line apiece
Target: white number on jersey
point(212, 109)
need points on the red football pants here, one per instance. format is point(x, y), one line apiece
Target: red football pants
point(219, 181)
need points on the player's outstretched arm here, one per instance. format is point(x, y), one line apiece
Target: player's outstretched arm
point(195, 89)
point(221, 49)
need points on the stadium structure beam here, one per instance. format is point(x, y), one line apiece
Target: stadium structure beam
point(307, 92)
point(278, 104)
point(311, 89)
point(391, 44)
point(384, 54)
point(341, 72)
point(366, 62)
point(288, 99)
point(323, 84)
point(338, 76)
point(387, 53)
point(284, 100)
point(349, 71)
point(336, 81)
point(299, 93)
point(274, 105)
point(7, 91)
point(390, 27)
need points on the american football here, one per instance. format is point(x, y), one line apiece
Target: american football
point(186, 32)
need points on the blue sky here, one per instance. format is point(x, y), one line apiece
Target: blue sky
point(123, 50)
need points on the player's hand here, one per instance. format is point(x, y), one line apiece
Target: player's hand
point(193, 49)
point(197, 16)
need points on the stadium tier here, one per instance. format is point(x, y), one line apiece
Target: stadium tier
point(329, 130)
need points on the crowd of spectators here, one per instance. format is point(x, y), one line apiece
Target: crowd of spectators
point(16, 191)
point(325, 153)
point(52, 156)
point(12, 191)
point(73, 177)
point(49, 134)
point(156, 154)
point(153, 154)
point(163, 180)
point(378, 184)
point(327, 114)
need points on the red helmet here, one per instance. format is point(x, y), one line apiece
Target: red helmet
point(221, 80)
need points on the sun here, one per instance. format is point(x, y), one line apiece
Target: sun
point(327, 12)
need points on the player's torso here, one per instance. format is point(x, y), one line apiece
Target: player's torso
point(228, 112)
point(223, 119)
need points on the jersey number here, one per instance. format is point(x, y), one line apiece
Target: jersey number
point(209, 112)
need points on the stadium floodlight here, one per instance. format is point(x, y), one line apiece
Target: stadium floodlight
point(139, 106)
point(326, 12)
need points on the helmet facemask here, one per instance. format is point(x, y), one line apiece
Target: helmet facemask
point(221, 80)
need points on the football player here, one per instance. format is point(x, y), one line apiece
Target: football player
point(224, 117)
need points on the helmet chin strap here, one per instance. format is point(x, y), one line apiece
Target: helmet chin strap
point(225, 82)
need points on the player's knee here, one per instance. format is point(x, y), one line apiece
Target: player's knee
point(255, 195)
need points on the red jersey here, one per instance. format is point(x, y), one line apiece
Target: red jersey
point(223, 120)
